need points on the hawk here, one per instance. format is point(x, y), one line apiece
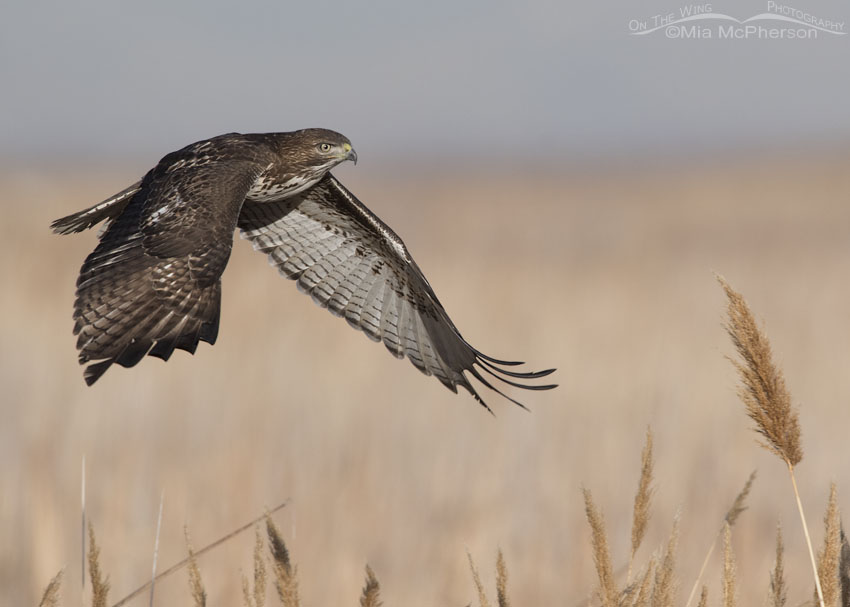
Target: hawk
point(153, 283)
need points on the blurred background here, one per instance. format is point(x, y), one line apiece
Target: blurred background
point(567, 187)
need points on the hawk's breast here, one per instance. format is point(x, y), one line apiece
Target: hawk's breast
point(272, 188)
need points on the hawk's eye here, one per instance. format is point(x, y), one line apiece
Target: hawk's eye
point(324, 147)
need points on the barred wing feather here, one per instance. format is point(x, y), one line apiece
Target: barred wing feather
point(354, 265)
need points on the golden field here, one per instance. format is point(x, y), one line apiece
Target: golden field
point(604, 272)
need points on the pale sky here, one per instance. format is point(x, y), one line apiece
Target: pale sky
point(537, 80)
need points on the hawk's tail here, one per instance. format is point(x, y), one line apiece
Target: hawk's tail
point(156, 332)
point(108, 209)
point(130, 304)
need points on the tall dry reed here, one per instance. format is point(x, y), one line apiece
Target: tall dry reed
point(766, 398)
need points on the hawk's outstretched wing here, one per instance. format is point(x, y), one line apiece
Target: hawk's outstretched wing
point(353, 264)
point(153, 282)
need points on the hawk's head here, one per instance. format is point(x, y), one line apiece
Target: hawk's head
point(318, 150)
point(305, 157)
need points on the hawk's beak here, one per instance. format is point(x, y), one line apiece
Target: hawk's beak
point(350, 153)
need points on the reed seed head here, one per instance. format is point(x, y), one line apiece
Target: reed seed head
point(479, 587)
point(50, 598)
point(777, 577)
point(643, 497)
point(371, 596)
point(740, 503)
point(830, 554)
point(665, 581)
point(608, 594)
point(502, 581)
point(286, 575)
point(763, 389)
point(99, 585)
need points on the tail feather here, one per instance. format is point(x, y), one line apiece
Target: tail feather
point(121, 322)
point(93, 372)
point(108, 209)
point(163, 349)
point(133, 352)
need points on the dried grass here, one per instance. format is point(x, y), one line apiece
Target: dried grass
point(50, 598)
point(156, 547)
point(247, 599)
point(502, 581)
point(728, 581)
point(371, 595)
point(479, 587)
point(656, 585)
point(830, 553)
point(257, 598)
point(643, 501)
point(196, 586)
point(731, 517)
point(285, 574)
point(740, 503)
point(767, 400)
point(844, 570)
point(777, 595)
point(99, 585)
point(198, 553)
point(607, 591)
point(645, 587)
point(665, 581)
point(763, 390)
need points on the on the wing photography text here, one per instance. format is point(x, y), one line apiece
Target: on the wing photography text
point(703, 22)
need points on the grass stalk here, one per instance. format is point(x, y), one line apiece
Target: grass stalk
point(83, 526)
point(818, 588)
point(156, 547)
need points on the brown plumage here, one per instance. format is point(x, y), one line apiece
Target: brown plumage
point(152, 285)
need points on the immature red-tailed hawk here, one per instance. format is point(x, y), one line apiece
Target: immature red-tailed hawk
point(153, 283)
